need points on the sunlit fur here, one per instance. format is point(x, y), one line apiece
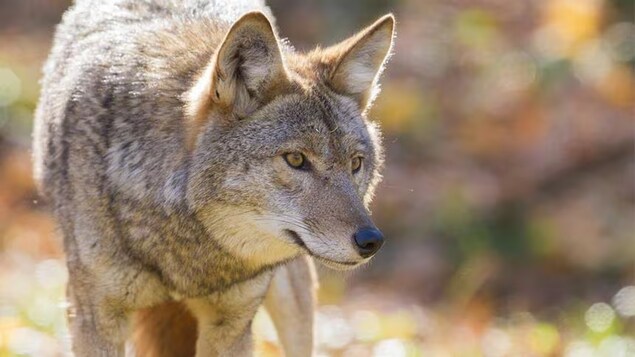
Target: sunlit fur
point(160, 138)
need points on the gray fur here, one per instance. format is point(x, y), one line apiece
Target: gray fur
point(146, 219)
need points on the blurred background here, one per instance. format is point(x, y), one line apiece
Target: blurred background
point(508, 197)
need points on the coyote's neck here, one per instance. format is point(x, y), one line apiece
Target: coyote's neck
point(177, 246)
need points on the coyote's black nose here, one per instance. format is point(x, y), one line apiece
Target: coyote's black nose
point(368, 241)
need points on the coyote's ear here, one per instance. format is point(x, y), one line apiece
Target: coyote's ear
point(356, 62)
point(245, 71)
point(247, 64)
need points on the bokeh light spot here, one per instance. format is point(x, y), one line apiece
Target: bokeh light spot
point(624, 301)
point(390, 348)
point(579, 349)
point(333, 330)
point(51, 273)
point(544, 339)
point(599, 317)
point(367, 325)
point(616, 346)
point(496, 342)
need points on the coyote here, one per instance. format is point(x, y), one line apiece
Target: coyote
point(197, 165)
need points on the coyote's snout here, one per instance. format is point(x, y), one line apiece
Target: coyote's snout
point(195, 163)
point(340, 235)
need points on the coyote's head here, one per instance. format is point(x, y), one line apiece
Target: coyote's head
point(284, 159)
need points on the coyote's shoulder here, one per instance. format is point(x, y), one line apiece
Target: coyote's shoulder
point(150, 51)
point(193, 159)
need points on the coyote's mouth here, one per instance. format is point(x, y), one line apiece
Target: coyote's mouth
point(296, 238)
point(328, 262)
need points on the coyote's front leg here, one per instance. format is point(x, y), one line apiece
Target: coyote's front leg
point(291, 303)
point(97, 327)
point(224, 319)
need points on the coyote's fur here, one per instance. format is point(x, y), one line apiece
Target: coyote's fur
point(196, 165)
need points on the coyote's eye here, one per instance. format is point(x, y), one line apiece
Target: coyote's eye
point(356, 164)
point(296, 160)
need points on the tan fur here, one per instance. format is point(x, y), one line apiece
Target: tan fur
point(290, 303)
point(165, 330)
point(160, 139)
